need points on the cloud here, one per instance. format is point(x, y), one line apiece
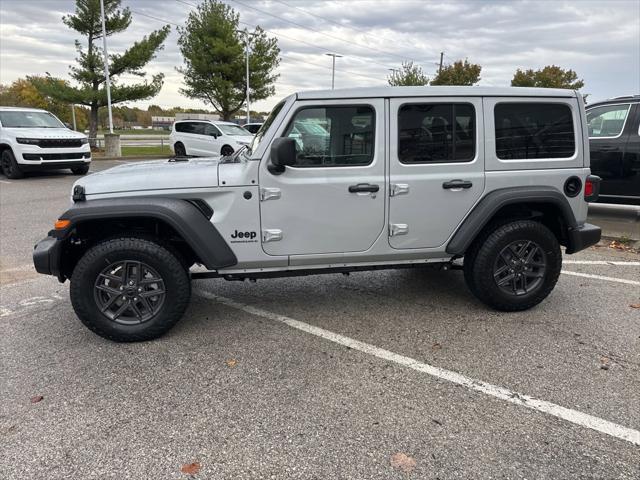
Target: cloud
point(599, 40)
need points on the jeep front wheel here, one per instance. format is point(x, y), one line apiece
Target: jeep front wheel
point(514, 266)
point(130, 289)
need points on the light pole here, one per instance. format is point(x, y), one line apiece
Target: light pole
point(333, 68)
point(247, 43)
point(106, 65)
point(73, 115)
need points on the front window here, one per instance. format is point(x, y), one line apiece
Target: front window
point(607, 121)
point(233, 130)
point(333, 136)
point(17, 119)
point(534, 130)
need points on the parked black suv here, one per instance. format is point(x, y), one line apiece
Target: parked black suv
point(614, 140)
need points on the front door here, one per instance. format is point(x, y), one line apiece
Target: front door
point(436, 168)
point(332, 200)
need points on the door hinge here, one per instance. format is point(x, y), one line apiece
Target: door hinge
point(269, 194)
point(396, 229)
point(271, 235)
point(398, 189)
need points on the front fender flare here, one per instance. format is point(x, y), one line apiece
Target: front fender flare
point(184, 217)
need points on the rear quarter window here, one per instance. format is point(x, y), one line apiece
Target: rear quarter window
point(534, 131)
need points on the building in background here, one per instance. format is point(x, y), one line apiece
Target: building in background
point(162, 123)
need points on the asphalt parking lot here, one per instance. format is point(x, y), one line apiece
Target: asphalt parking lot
point(390, 374)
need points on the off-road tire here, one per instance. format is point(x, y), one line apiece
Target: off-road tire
point(179, 150)
point(226, 150)
point(82, 170)
point(480, 261)
point(177, 288)
point(10, 167)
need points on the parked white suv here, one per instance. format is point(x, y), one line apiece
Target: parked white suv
point(33, 139)
point(204, 138)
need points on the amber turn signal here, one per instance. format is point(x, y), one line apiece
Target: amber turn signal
point(62, 224)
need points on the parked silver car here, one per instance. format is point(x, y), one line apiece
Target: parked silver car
point(401, 177)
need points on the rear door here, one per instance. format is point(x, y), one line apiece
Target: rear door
point(436, 168)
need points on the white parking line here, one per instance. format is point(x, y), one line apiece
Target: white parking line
point(573, 416)
point(601, 277)
point(601, 262)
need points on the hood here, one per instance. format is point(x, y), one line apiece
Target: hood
point(36, 132)
point(153, 175)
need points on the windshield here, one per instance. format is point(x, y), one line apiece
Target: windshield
point(233, 130)
point(265, 126)
point(19, 119)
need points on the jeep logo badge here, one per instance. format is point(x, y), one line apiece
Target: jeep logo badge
point(243, 237)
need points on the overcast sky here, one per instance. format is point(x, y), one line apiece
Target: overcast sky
point(600, 40)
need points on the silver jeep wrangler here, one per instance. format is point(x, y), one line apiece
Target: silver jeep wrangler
point(339, 181)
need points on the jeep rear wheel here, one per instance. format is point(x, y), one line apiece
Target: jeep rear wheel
point(514, 266)
point(10, 167)
point(130, 289)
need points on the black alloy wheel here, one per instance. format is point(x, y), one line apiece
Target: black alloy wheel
point(129, 292)
point(520, 267)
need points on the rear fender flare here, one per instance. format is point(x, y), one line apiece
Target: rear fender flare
point(490, 204)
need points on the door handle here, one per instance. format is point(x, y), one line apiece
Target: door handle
point(363, 187)
point(457, 184)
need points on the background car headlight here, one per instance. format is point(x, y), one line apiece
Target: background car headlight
point(28, 141)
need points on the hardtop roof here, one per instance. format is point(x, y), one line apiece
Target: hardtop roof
point(448, 91)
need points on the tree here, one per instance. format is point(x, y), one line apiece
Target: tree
point(408, 75)
point(458, 73)
point(22, 93)
point(89, 71)
point(214, 59)
point(550, 76)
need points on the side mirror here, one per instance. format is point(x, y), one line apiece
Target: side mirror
point(68, 125)
point(283, 153)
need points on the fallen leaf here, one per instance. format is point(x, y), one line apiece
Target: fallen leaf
point(37, 398)
point(231, 362)
point(436, 346)
point(190, 468)
point(604, 363)
point(403, 462)
point(635, 305)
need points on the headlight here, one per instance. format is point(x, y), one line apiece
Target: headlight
point(84, 141)
point(28, 141)
point(242, 143)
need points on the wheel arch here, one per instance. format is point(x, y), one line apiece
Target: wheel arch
point(182, 223)
point(544, 204)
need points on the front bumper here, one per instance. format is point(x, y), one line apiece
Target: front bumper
point(47, 256)
point(583, 237)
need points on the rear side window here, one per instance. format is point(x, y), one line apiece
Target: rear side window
point(607, 121)
point(333, 136)
point(436, 132)
point(190, 127)
point(534, 130)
